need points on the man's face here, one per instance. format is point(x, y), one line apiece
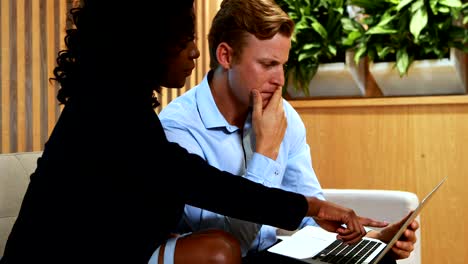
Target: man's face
point(180, 66)
point(260, 67)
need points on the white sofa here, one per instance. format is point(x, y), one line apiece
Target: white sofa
point(391, 206)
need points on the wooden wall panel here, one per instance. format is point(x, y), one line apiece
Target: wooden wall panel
point(4, 74)
point(31, 34)
point(406, 148)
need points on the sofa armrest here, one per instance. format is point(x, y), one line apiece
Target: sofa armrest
point(15, 170)
point(385, 205)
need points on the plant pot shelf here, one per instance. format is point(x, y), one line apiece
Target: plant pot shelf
point(383, 101)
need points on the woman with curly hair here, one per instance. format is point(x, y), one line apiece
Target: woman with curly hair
point(109, 187)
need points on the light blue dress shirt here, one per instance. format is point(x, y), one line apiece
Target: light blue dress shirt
point(194, 122)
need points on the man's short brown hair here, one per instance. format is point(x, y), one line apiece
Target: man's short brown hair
point(261, 18)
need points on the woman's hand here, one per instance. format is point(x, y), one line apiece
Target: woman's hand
point(331, 217)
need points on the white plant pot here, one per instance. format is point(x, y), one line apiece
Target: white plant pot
point(335, 79)
point(425, 77)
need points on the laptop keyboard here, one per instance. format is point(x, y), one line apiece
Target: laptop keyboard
point(341, 253)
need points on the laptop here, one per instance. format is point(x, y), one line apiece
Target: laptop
point(316, 245)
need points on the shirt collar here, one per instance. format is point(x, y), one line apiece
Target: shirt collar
point(209, 112)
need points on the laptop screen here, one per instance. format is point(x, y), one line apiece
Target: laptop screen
point(411, 217)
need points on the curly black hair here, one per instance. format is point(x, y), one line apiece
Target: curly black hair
point(131, 42)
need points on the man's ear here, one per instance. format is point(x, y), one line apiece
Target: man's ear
point(224, 54)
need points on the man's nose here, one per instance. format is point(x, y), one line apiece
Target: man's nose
point(278, 77)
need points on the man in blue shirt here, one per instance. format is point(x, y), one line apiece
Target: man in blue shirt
point(249, 44)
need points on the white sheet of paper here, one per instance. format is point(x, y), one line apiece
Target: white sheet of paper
point(305, 243)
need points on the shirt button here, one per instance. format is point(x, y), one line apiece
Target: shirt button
point(276, 173)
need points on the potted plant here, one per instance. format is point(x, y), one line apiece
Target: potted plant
point(415, 47)
point(319, 61)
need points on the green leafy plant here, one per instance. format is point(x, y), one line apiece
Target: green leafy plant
point(318, 37)
point(407, 30)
